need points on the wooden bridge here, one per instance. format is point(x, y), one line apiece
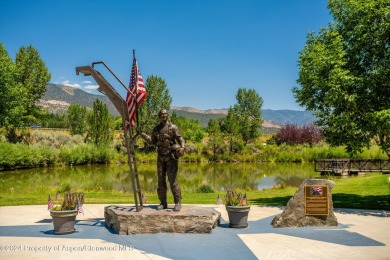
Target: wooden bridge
point(351, 166)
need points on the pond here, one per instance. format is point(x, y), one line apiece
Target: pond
point(245, 176)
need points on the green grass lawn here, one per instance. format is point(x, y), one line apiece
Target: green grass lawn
point(368, 192)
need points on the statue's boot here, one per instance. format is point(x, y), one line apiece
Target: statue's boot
point(177, 207)
point(163, 205)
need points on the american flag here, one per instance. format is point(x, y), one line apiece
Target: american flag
point(136, 88)
point(243, 200)
point(79, 207)
point(143, 198)
point(219, 201)
point(49, 203)
point(316, 191)
point(58, 196)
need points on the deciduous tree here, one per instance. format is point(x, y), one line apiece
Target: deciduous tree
point(101, 124)
point(77, 117)
point(215, 142)
point(246, 114)
point(33, 75)
point(190, 129)
point(344, 73)
point(12, 95)
point(22, 83)
point(158, 97)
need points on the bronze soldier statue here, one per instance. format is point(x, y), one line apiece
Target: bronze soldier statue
point(164, 136)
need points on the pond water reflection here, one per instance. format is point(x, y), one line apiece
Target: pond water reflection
point(246, 176)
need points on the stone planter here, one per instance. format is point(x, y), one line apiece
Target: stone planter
point(238, 216)
point(64, 221)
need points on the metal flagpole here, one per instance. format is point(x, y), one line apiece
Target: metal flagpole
point(130, 145)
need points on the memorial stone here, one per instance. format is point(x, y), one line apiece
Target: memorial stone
point(125, 220)
point(312, 205)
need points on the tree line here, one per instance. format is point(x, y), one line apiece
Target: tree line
point(344, 73)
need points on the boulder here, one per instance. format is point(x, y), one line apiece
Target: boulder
point(294, 215)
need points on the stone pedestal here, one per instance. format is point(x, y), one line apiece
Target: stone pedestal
point(191, 219)
point(294, 214)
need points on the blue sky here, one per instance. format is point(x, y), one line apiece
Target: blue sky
point(204, 49)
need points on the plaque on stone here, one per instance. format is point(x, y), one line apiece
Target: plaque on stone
point(312, 205)
point(316, 200)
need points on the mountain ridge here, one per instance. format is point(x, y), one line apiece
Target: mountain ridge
point(58, 98)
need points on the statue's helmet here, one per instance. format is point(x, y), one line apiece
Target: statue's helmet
point(175, 151)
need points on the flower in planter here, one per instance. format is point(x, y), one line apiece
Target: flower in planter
point(234, 198)
point(237, 209)
point(72, 201)
point(64, 215)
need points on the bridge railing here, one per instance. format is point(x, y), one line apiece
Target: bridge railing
point(352, 165)
point(331, 165)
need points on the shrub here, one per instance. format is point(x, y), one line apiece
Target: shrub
point(86, 154)
point(54, 139)
point(17, 156)
point(294, 134)
point(204, 189)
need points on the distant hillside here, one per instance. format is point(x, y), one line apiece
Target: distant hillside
point(203, 116)
point(58, 98)
point(272, 118)
point(288, 116)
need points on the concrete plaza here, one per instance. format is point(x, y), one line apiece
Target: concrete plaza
point(26, 233)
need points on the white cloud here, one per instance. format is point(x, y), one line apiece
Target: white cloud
point(91, 87)
point(59, 80)
point(67, 83)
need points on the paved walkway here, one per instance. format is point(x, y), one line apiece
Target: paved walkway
point(26, 233)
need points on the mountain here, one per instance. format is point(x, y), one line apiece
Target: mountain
point(58, 98)
point(284, 117)
point(272, 118)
